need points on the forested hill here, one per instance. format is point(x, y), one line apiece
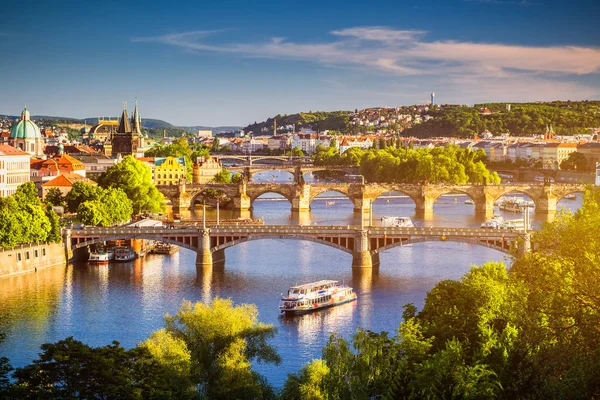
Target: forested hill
point(319, 121)
point(523, 119)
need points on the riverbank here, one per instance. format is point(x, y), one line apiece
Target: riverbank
point(31, 257)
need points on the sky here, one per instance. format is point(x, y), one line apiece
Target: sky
point(226, 62)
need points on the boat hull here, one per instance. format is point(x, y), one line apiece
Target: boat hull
point(293, 312)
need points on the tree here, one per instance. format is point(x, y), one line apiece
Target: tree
point(111, 208)
point(80, 192)
point(296, 152)
point(224, 176)
point(69, 369)
point(576, 161)
point(222, 340)
point(135, 179)
point(216, 145)
point(55, 197)
point(5, 369)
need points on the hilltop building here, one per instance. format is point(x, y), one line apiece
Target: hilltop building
point(26, 136)
point(128, 138)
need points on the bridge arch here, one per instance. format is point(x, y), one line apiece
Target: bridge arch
point(451, 191)
point(522, 191)
point(391, 189)
point(256, 194)
point(346, 195)
point(218, 189)
point(274, 236)
point(568, 192)
point(504, 247)
point(157, 238)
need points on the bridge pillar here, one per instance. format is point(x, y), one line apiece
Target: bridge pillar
point(301, 200)
point(66, 237)
point(241, 202)
point(424, 205)
point(484, 205)
point(247, 174)
point(361, 256)
point(362, 204)
point(204, 258)
point(546, 204)
point(218, 257)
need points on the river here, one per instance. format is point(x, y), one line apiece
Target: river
point(126, 302)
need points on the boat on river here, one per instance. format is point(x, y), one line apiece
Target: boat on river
point(99, 257)
point(397, 222)
point(493, 223)
point(330, 203)
point(513, 204)
point(571, 196)
point(315, 296)
point(125, 253)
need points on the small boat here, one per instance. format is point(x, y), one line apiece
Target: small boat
point(571, 196)
point(513, 204)
point(99, 257)
point(514, 224)
point(469, 201)
point(165, 248)
point(397, 222)
point(315, 296)
point(330, 203)
point(124, 254)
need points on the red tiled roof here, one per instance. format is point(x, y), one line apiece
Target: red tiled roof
point(6, 150)
point(67, 180)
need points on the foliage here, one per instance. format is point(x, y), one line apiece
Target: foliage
point(112, 207)
point(135, 179)
point(224, 176)
point(222, 340)
point(80, 192)
point(296, 152)
point(70, 369)
point(55, 197)
point(449, 164)
point(319, 121)
point(5, 369)
point(24, 218)
point(180, 148)
point(576, 161)
point(566, 118)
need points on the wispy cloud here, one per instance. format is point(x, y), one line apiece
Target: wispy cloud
point(407, 53)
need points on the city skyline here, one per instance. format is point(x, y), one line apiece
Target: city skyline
point(232, 63)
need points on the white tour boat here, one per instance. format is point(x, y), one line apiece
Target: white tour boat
point(124, 254)
point(513, 204)
point(397, 222)
point(493, 223)
point(571, 196)
point(315, 296)
point(514, 224)
point(99, 257)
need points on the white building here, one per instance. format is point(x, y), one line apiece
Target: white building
point(204, 133)
point(14, 169)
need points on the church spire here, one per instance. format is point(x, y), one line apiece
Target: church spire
point(124, 126)
point(136, 120)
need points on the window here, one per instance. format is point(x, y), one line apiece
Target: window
point(35, 253)
point(43, 252)
point(18, 256)
point(27, 255)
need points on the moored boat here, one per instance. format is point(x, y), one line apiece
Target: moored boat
point(330, 203)
point(571, 196)
point(315, 296)
point(397, 222)
point(124, 254)
point(165, 248)
point(493, 223)
point(99, 257)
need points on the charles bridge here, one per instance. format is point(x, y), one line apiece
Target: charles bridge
point(300, 194)
point(363, 243)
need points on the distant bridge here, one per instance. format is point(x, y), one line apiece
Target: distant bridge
point(364, 244)
point(301, 194)
point(249, 159)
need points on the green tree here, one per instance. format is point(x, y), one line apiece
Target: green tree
point(135, 179)
point(5, 369)
point(224, 176)
point(80, 192)
point(55, 197)
point(576, 161)
point(70, 369)
point(296, 152)
point(222, 340)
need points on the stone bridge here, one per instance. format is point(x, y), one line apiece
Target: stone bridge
point(298, 171)
point(364, 244)
point(249, 159)
point(300, 195)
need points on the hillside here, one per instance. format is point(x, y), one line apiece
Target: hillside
point(523, 119)
point(318, 121)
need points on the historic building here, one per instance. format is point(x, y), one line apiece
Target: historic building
point(204, 170)
point(43, 171)
point(169, 170)
point(64, 183)
point(128, 139)
point(102, 132)
point(25, 135)
point(14, 169)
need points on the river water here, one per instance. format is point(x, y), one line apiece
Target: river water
point(126, 302)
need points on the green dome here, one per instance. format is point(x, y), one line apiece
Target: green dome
point(25, 129)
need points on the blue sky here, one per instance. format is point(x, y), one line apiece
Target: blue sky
point(224, 62)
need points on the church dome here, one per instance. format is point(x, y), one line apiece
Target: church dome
point(25, 128)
